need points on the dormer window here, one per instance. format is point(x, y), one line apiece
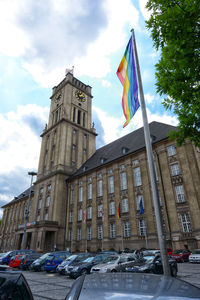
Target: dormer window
point(124, 150)
point(84, 168)
point(102, 160)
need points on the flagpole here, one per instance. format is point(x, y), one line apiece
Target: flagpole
point(161, 238)
point(146, 240)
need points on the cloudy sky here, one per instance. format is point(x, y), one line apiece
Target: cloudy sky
point(39, 40)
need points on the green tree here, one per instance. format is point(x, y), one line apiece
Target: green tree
point(175, 30)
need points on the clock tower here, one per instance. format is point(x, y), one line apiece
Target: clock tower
point(68, 140)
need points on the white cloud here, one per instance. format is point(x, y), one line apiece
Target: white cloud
point(149, 98)
point(113, 127)
point(19, 139)
point(52, 35)
point(146, 14)
point(106, 83)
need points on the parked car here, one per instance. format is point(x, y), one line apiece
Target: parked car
point(15, 261)
point(55, 259)
point(77, 269)
point(114, 263)
point(38, 264)
point(28, 259)
point(79, 257)
point(152, 264)
point(13, 285)
point(5, 259)
point(181, 255)
point(131, 286)
point(195, 256)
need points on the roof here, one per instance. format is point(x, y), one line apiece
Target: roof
point(21, 196)
point(125, 145)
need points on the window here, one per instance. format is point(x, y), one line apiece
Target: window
point(171, 150)
point(139, 197)
point(112, 208)
point(110, 184)
point(79, 117)
point(137, 176)
point(135, 162)
point(100, 210)
point(126, 229)
point(48, 201)
point(89, 233)
point(186, 224)
point(125, 205)
point(89, 212)
point(71, 216)
point(175, 169)
point(123, 181)
point(73, 147)
point(90, 191)
point(142, 227)
point(156, 173)
point(74, 114)
point(99, 175)
point(49, 187)
point(38, 218)
point(99, 188)
point(41, 190)
point(180, 195)
point(80, 214)
point(112, 230)
point(72, 196)
point(79, 233)
point(80, 199)
point(100, 232)
point(83, 119)
point(159, 198)
point(110, 171)
point(70, 235)
point(122, 167)
point(46, 216)
point(124, 150)
point(39, 203)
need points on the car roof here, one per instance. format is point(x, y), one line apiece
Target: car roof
point(117, 286)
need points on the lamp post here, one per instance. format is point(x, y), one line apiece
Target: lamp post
point(27, 208)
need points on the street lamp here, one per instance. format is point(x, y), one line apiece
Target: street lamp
point(27, 209)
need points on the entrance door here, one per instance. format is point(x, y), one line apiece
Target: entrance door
point(49, 241)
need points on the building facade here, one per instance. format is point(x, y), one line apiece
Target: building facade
point(88, 199)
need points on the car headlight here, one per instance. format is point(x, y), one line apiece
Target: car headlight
point(75, 268)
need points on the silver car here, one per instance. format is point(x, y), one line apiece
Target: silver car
point(195, 256)
point(114, 263)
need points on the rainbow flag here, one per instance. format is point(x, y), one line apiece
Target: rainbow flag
point(127, 75)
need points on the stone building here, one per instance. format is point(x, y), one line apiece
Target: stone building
point(80, 190)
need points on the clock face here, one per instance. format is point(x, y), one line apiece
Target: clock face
point(80, 96)
point(58, 96)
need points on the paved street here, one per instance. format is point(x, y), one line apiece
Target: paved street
point(53, 286)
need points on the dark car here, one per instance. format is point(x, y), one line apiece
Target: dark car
point(74, 258)
point(152, 264)
point(55, 259)
point(38, 264)
point(126, 286)
point(77, 269)
point(28, 259)
point(5, 259)
point(181, 255)
point(13, 285)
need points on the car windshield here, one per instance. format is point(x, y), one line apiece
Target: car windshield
point(72, 257)
point(5, 254)
point(42, 257)
point(177, 251)
point(89, 259)
point(196, 251)
point(110, 259)
point(148, 258)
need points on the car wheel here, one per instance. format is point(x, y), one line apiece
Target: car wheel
point(114, 271)
point(84, 271)
point(173, 271)
point(42, 268)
